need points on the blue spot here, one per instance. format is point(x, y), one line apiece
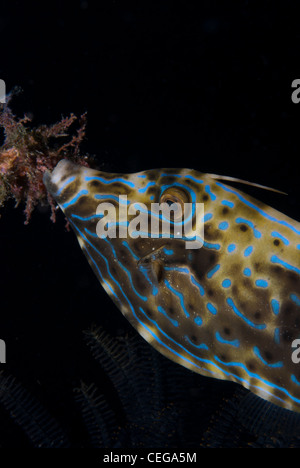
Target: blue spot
point(298, 246)
point(154, 290)
point(260, 283)
point(279, 236)
point(228, 203)
point(142, 176)
point(168, 251)
point(248, 251)
point(213, 271)
point(256, 233)
point(226, 283)
point(275, 259)
point(234, 343)
point(275, 306)
point(224, 225)
point(231, 247)
point(295, 299)
point(151, 197)
point(242, 316)
point(275, 364)
point(212, 195)
point(247, 272)
point(198, 321)
point(211, 308)
point(207, 217)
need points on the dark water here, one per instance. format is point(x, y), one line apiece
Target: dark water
point(204, 85)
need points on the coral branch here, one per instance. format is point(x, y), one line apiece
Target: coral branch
point(29, 151)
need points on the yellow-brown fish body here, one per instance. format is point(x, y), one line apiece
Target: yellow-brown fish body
point(230, 309)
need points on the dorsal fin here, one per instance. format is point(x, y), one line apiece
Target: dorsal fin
point(241, 181)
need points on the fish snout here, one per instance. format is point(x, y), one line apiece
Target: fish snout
point(55, 180)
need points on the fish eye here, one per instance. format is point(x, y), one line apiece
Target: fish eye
point(175, 199)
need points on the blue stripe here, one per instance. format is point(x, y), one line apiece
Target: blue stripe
point(277, 234)
point(258, 377)
point(295, 299)
point(144, 189)
point(127, 271)
point(99, 273)
point(195, 282)
point(234, 343)
point(199, 346)
point(258, 354)
point(178, 294)
point(125, 243)
point(208, 190)
point(293, 379)
point(242, 316)
point(256, 233)
point(275, 259)
point(162, 311)
point(67, 182)
point(87, 218)
point(277, 335)
point(104, 196)
point(198, 181)
point(74, 200)
point(227, 203)
point(213, 271)
point(110, 181)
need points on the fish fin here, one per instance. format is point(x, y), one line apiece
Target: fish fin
point(153, 264)
point(246, 182)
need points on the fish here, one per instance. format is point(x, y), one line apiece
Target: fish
point(226, 308)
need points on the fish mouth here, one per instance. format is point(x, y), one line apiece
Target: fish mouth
point(152, 255)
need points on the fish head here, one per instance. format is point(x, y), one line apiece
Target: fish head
point(139, 232)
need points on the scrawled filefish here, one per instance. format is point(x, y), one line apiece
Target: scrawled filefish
point(228, 310)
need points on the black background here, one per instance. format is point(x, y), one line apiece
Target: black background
point(198, 84)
